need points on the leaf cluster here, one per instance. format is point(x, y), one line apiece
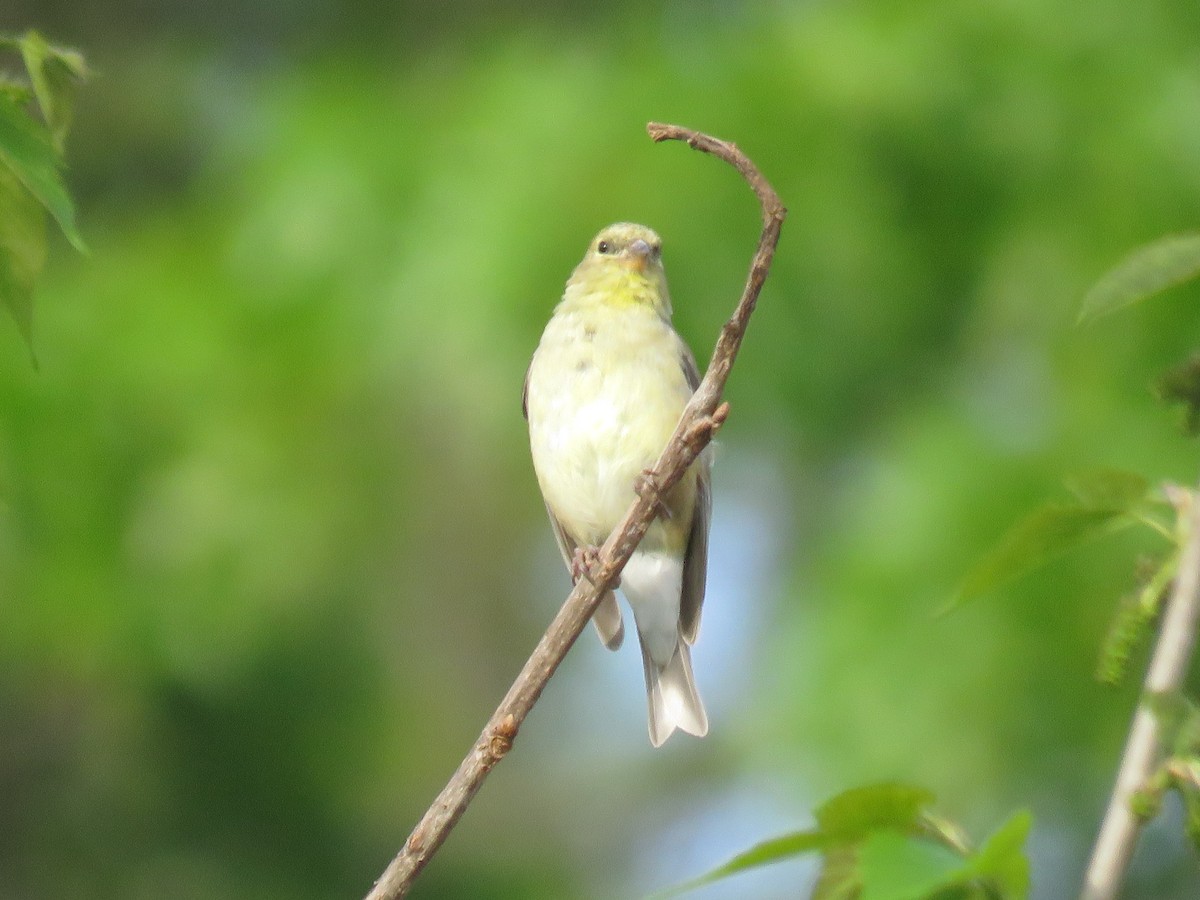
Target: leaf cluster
point(1109, 500)
point(35, 116)
point(1103, 502)
point(881, 842)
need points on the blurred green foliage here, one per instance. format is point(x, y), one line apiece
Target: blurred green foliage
point(270, 544)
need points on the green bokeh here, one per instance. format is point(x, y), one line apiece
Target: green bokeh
point(270, 544)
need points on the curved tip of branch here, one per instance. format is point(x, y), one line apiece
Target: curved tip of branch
point(658, 131)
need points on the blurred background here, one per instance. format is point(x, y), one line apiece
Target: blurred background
point(271, 548)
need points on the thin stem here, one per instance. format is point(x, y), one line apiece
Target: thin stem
point(702, 417)
point(1168, 668)
point(1155, 525)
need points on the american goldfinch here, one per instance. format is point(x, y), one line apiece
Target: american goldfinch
point(603, 394)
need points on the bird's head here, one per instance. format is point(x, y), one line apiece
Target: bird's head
point(623, 265)
point(634, 247)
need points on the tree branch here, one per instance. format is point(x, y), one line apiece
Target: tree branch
point(1168, 668)
point(702, 417)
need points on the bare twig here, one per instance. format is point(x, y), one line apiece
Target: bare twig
point(702, 417)
point(1168, 668)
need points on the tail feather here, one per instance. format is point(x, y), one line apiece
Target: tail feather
point(672, 697)
point(607, 619)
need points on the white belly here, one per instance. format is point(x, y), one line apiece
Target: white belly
point(602, 403)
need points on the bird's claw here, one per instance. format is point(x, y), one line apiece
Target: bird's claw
point(583, 562)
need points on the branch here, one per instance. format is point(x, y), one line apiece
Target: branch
point(1168, 668)
point(700, 420)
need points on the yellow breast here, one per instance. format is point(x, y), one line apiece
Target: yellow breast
point(606, 390)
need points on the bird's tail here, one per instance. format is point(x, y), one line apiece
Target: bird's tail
point(672, 697)
point(607, 619)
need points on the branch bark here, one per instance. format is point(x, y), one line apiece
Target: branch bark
point(1166, 673)
point(702, 417)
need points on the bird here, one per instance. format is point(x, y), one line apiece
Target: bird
point(603, 394)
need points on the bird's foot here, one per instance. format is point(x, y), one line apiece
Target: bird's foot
point(584, 561)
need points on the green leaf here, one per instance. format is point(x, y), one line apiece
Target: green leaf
point(1002, 861)
point(1047, 533)
point(949, 834)
point(56, 73)
point(861, 814)
point(842, 821)
point(860, 811)
point(765, 853)
point(27, 151)
point(896, 867)
point(1105, 500)
point(1108, 489)
point(22, 251)
point(17, 91)
point(1147, 271)
point(893, 867)
point(839, 877)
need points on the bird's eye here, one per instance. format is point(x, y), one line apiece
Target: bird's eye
point(656, 251)
point(603, 247)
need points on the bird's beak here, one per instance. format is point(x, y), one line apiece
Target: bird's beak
point(639, 255)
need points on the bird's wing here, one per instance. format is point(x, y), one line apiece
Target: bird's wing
point(690, 370)
point(565, 545)
point(525, 397)
point(695, 560)
point(607, 617)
